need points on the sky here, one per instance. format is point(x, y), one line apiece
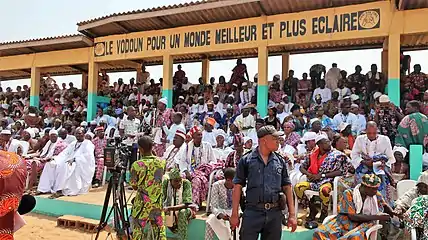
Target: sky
point(29, 19)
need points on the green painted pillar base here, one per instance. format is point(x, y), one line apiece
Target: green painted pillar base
point(394, 90)
point(415, 161)
point(35, 101)
point(92, 107)
point(167, 93)
point(262, 100)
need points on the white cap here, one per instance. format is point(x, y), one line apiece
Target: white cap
point(181, 97)
point(83, 124)
point(31, 132)
point(6, 132)
point(402, 150)
point(342, 126)
point(354, 97)
point(164, 101)
point(354, 105)
point(320, 137)
point(216, 96)
point(53, 131)
point(384, 99)
point(244, 84)
point(314, 120)
point(277, 76)
point(308, 136)
point(236, 85)
point(220, 132)
point(376, 95)
point(93, 122)
point(200, 97)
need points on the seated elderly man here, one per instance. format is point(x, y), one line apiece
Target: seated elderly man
point(177, 193)
point(358, 209)
point(322, 166)
point(372, 153)
point(37, 161)
point(195, 163)
point(405, 201)
point(221, 194)
point(70, 173)
point(173, 151)
point(221, 150)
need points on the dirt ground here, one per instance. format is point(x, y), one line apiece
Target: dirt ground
point(41, 227)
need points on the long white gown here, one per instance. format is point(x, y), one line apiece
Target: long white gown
point(72, 179)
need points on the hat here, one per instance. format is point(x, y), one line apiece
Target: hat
point(308, 136)
point(220, 132)
point(402, 150)
point(194, 130)
point(216, 96)
point(231, 95)
point(181, 97)
point(354, 105)
point(90, 134)
point(384, 99)
point(354, 97)
point(284, 96)
point(318, 96)
point(31, 132)
point(6, 132)
point(244, 84)
point(290, 125)
point(83, 124)
point(180, 133)
point(320, 137)
point(346, 97)
point(248, 105)
point(342, 126)
point(93, 122)
point(277, 76)
point(211, 121)
point(103, 121)
point(163, 100)
point(99, 129)
point(371, 180)
point(246, 139)
point(376, 95)
point(314, 120)
point(423, 178)
point(235, 85)
point(256, 76)
point(268, 130)
point(53, 131)
point(174, 174)
point(210, 102)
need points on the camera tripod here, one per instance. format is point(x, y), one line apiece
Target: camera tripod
point(119, 209)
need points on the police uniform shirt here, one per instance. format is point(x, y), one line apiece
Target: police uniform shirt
point(264, 181)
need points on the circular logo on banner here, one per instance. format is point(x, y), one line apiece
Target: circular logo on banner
point(369, 19)
point(99, 49)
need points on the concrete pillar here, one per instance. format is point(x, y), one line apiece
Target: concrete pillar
point(92, 88)
point(35, 87)
point(285, 65)
point(415, 161)
point(262, 83)
point(394, 68)
point(167, 86)
point(384, 62)
point(84, 80)
point(206, 70)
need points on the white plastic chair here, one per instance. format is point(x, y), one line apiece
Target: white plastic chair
point(210, 183)
point(371, 234)
point(404, 185)
point(333, 194)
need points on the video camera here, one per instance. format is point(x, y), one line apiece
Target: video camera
point(117, 154)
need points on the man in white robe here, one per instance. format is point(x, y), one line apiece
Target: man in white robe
point(192, 163)
point(245, 121)
point(176, 125)
point(174, 150)
point(221, 150)
point(217, 223)
point(71, 172)
point(63, 134)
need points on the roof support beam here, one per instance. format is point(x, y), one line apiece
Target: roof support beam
point(121, 27)
point(401, 4)
point(79, 69)
point(166, 22)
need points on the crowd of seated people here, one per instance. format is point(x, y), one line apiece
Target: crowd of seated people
point(333, 124)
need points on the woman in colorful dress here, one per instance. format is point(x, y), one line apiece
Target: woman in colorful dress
point(13, 174)
point(413, 128)
point(358, 209)
point(239, 73)
point(146, 178)
point(416, 217)
point(291, 137)
point(234, 157)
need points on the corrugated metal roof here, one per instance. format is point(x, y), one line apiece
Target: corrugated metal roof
point(201, 12)
point(44, 44)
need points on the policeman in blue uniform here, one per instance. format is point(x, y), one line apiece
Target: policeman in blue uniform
point(265, 175)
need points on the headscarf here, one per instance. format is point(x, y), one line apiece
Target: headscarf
point(423, 178)
point(53, 131)
point(174, 174)
point(371, 180)
point(31, 132)
point(220, 132)
point(290, 124)
point(369, 206)
point(402, 150)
